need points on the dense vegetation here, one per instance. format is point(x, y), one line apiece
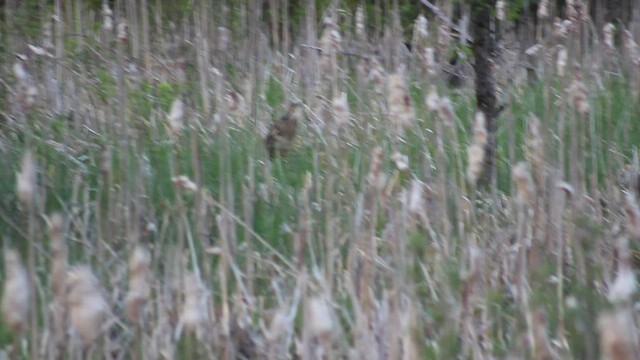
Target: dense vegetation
point(141, 216)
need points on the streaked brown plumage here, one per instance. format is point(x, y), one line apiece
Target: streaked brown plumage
point(282, 133)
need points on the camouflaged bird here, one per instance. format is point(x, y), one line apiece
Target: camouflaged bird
point(282, 133)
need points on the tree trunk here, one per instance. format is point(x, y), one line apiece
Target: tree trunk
point(484, 53)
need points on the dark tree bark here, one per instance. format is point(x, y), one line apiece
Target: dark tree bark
point(484, 53)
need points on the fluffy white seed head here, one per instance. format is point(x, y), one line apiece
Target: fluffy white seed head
point(543, 9)
point(341, 109)
point(318, 319)
point(138, 283)
point(123, 32)
point(618, 339)
point(183, 182)
point(524, 183)
point(475, 153)
point(433, 100)
point(480, 135)
point(401, 161)
point(401, 109)
point(26, 179)
point(175, 119)
point(194, 313)
point(501, 10)
point(86, 304)
point(561, 62)
point(429, 60)
point(360, 27)
point(15, 293)
point(447, 114)
point(609, 31)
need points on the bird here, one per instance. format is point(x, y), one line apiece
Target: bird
point(282, 133)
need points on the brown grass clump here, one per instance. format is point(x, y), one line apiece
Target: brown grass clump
point(16, 292)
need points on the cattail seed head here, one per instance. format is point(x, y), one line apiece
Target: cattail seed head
point(475, 153)
point(524, 183)
point(139, 289)
point(20, 72)
point(26, 181)
point(86, 304)
point(561, 28)
point(501, 10)
point(318, 318)
point(175, 117)
point(360, 27)
point(401, 161)
point(183, 182)
point(416, 197)
point(123, 32)
point(534, 147)
point(16, 292)
point(608, 32)
point(624, 285)
point(444, 35)
point(401, 109)
point(377, 76)
point(194, 313)
point(617, 335)
point(447, 114)
point(561, 62)
point(107, 18)
point(480, 135)
point(579, 94)
point(376, 165)
point(432, 100)
point(633, 216)
point(543, 9)
point(420, 32)
point(341, 109)
point(58, 254)
point(429, 60)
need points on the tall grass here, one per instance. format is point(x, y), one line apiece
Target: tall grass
point(154, 224)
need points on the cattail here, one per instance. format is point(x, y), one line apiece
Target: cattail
point(624, 286)
point(561, 63)
point(183, 182)
point(330, 43)
point(47, 35)
point(633, 216)
point(318, 318)
point(618, 335)
point(194, 313)
point(534, 150)
point(573, 11)
point(432, 100)
point(420, 32)
point(360, 29)
point(107, 18)
point(480, 135)
point(377, 76)
point(501, 10)
point(138, 283)
point(541, 342)
point(444, 35)
point(20, 72)
point(631, 46)
point(447, 114)
point(524, 183)
point(31, 96)
point(16, 292)
point(401, 161)
point(608, 31)
point(58, 254)
point(376, 164)
point(123, 32)
point(86, 304)
point(579, 94)
point(475, 153)
point(400, 105)
point(429, 60)
point(561, 28)
point(26, 179)
point(175, 117)
point(341, 109)
point(533, 50)
point(543, 9)
point(416, 197)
